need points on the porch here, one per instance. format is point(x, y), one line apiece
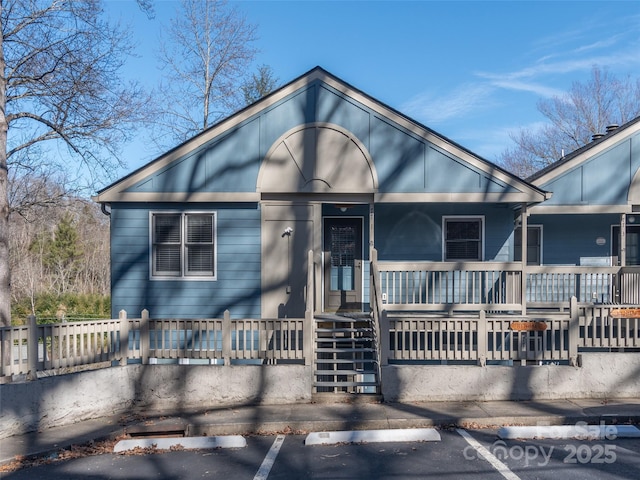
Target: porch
point(420, 314)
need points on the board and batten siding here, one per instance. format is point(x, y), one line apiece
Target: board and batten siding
point(404, 161)
point(237, 286)
point(601, 180)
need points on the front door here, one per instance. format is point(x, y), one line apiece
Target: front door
point(342, 264)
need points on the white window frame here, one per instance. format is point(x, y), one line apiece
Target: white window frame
point(183, 275)
point(480, 218)
point(539, 227)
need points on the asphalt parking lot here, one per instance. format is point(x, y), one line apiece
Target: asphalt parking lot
point(459, 453)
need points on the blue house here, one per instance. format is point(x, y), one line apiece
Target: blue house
point(384, 241)
point(225, 220)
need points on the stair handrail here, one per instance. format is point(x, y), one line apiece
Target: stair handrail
point(377, 310)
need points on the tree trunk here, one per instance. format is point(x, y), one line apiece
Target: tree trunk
point(5, 274)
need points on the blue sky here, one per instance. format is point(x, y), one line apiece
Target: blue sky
point(472, 71)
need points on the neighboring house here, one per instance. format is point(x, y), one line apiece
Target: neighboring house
point(596, 189)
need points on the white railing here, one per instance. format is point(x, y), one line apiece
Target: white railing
point(498, 287)
point(553, 286)
point(450, 286)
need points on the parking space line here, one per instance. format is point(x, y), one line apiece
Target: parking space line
point(488, 456)
point(267, 463)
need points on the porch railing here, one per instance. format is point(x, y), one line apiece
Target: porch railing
point(498, 338)
point(495, 286)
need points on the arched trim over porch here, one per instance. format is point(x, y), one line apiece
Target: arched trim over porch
point(317, 158)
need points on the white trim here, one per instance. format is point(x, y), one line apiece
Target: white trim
point(578, 209)
point(464, 217)
point(182, 277)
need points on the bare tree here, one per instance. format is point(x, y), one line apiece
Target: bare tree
point(63, 106)
point(585, 110)
point(203, 62)
point(259, 85)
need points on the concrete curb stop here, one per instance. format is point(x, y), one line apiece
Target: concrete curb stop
point(373, 436)
point(188, 443)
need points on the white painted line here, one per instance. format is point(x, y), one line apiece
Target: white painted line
point(373, 436)
point(267, 463)
point(188, 443)
point(488, 456)
point(565, 432)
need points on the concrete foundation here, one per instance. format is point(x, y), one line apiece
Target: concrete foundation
point(601, 375)
point(67, 399)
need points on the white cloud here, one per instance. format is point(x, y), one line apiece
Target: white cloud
point(432, 108)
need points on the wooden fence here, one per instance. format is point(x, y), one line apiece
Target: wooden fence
point(485, 337)
point(31, 348)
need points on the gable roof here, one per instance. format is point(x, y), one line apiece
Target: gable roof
point(552, 171)
point(600, 177)
point(117, 191)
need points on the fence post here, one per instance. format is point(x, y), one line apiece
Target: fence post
point(574, 331)
point(482, 338)
point(226, 337)
point(385, 348)
point(307, 335)
point(32, 349)
point(145, 341)
point(124, 337)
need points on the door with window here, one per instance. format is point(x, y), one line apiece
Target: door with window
point(342, 264)
point(633, 244)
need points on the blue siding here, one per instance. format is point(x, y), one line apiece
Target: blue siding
point(404, 161)
point(563, 245)
point(238, 266)
point(601, 180)
point(414, 232)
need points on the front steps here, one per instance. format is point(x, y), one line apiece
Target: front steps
point(346, 357)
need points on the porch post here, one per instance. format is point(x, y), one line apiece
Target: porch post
point(371, 228)
point(623, 240)
point(523, 256)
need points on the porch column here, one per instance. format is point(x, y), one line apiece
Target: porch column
point(623, 240)
point(371, 228)
point(523, 256)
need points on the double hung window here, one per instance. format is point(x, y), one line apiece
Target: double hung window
point(183, 245)
point(534, 245)
point(463, 239)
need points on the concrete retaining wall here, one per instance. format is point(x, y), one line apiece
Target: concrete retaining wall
point(67, 399)
point(602, 375)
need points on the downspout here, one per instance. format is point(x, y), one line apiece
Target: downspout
point(103, 209)
point(623, 239)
